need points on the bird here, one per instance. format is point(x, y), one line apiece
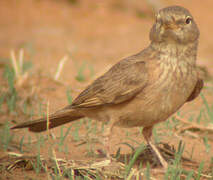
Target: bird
point(143, 89)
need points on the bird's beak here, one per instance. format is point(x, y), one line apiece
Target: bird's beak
point(170, 26)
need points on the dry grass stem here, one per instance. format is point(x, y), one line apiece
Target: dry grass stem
point(21, 59)
point(15, 64)
point(56, 162)
point(193, 125)
point(60, 67)
point(18, 67)
point(48, 122)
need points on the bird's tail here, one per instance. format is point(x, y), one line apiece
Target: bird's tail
point(61, 117)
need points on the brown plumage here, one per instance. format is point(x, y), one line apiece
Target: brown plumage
point(145, 88)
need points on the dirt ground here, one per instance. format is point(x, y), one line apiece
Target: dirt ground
point(94, 35)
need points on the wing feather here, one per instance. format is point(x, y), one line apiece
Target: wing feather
point(121, 83)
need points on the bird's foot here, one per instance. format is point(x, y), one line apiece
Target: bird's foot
point(163, 162)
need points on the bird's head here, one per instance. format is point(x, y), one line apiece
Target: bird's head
point(174, 24)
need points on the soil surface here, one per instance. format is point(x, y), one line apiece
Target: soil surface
point(93, 35)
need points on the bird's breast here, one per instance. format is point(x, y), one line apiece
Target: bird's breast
point(170, 88)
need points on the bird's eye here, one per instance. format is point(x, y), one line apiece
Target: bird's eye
point(188, 20)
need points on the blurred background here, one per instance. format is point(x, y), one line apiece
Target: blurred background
point(97, 32)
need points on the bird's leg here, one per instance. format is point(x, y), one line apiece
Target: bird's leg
point(147, 133)
point(106, 139)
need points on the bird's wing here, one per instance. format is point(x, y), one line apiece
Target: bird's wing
point(121, 83)
point(197, 90)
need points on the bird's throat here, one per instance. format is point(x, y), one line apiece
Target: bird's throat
point(181, 52)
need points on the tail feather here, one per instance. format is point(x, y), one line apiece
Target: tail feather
point(61, 117)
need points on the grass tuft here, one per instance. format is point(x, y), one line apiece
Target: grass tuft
point(6, 136)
